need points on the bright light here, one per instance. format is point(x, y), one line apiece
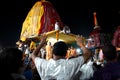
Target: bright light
point(54, 40)
point(89, 39)
point(78, 50)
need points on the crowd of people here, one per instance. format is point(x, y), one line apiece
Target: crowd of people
point(59, 62)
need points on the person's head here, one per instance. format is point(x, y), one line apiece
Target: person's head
point(109, 52)
point(11, 60)
point(60, 48)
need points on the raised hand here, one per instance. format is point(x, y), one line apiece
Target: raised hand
point(80, 40)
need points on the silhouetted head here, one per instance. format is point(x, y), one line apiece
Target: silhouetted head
point(109, 52)
point(11, 60)
point(60, 48)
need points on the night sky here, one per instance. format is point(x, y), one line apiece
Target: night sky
point(77, 14)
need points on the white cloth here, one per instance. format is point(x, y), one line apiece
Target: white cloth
point(87, 71)
point(62, 69)
point(57, 27)
point(27, 51)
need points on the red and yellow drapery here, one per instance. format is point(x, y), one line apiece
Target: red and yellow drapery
point(41, 18)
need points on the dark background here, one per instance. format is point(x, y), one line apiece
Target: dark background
point(77, 14)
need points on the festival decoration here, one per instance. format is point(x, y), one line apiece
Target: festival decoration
point(116, 38)
point(97, 37)
point(41, 18)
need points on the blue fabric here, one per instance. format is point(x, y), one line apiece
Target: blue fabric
point(28, 74)
point(110, 71)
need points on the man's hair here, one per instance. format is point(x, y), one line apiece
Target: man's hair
point(109, 52)
point(60, 48)
point(11, 59)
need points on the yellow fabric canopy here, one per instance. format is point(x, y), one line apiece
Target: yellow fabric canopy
point(41, 18)
point(32, 24)
point(67, 38)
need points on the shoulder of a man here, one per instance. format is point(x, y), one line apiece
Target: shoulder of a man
point(78, 60)
point(39, 61)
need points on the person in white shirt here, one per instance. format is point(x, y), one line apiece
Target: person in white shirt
point(60, 68)
point(57, 26)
